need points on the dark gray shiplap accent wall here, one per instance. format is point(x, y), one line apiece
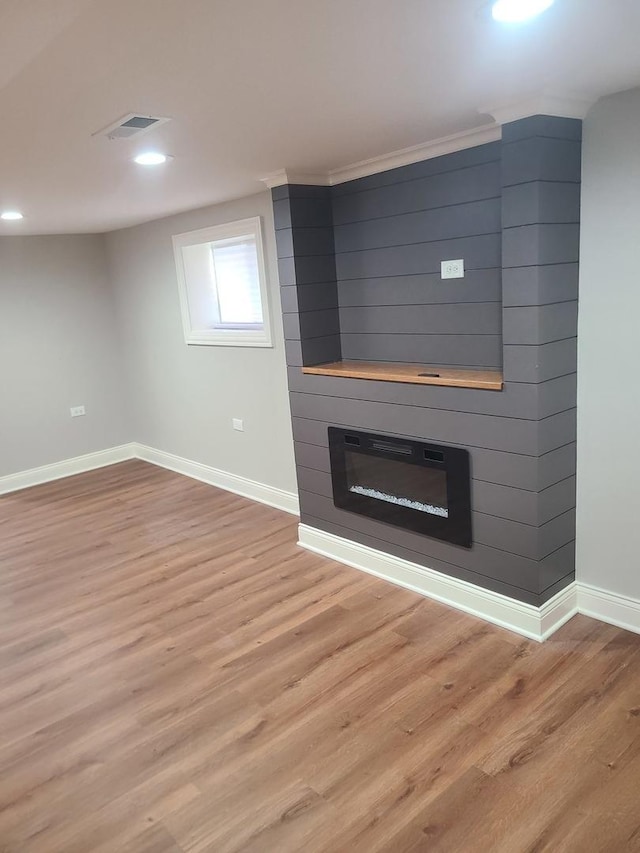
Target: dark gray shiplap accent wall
point(307, 271)
point(392, 232)
point(521, 440)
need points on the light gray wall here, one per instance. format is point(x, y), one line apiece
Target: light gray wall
point(183, 397)
point(58, 348)
point(608, 348)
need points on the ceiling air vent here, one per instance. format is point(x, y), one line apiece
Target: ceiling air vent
point(131, 125)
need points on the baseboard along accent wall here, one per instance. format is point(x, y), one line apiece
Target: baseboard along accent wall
point(535, 623)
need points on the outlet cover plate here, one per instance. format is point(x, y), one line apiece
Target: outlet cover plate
point(452, 269)
point(77, 411)
point(238, 424)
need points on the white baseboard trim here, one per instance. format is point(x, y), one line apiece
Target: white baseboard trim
point(618, 610)
point(536, 623)
point(287, 501)
point(278, 498)
point(65, 468)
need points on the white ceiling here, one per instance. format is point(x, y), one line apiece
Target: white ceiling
point(255, 86)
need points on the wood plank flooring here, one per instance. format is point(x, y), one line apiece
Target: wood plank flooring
point(177, 675)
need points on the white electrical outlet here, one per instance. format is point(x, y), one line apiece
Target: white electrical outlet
point(77, 411)
point(452, 269)
point(238, 424)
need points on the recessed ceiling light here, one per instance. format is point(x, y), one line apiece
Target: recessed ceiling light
point(11, 215)
point(150, 158)
point(518, 11)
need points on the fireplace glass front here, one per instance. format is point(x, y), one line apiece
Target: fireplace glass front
point(421, 487)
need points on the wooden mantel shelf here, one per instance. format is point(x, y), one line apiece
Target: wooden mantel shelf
point(416, 374)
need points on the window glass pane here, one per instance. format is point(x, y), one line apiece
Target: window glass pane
point(235, 266)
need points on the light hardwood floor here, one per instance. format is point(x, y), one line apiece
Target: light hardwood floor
point(177, 675)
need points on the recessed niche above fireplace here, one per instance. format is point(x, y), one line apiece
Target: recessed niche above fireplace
point(420, 487)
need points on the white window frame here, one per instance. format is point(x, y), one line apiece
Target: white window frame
point(224, 335)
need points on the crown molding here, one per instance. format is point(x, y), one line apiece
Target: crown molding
point(284, 176)
point(562, 105)
point(417, 153)
point(546, 104)
point(385, 162)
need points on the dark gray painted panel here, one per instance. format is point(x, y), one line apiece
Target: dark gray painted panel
point(529, 401)
point(461, 220)
point(311, 324)
point(284, 243)
point(291, 325)
point(428, 289)
point(506, 434)
point(466, 351)
point(542, 125)
point(487, 153)
point(312, 456)
point(560, 564)
point(315, 351)
point(508, 469)
point(540, 325)
point(315, 270)
point(556, 431)
point(505, 502)
point(557, 587)
point(538, 364)
point(311, 270)
point(556, 394)
point(313, 241)
point(540, 201)
point(289, 299)
point(310, 432)
point(309, 297)
point(300, 191)
point(540, 285)
point(482, 252)
point(313, 480)
point(557, 499)
point(540, 159)
point(522, 539)
point(490, 562)
point(532, 245)
point(287, 272)
point(557, 465)
point(533, 508)
point(429, 563)
point(521, 471)
point(302, 212)
point(321, 350)
point(457, 187)
point(279, 193)
point(479, 318)
point(281, 213)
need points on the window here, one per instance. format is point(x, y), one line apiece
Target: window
point(222, 283)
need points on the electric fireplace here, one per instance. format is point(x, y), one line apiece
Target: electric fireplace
point(421, 487)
